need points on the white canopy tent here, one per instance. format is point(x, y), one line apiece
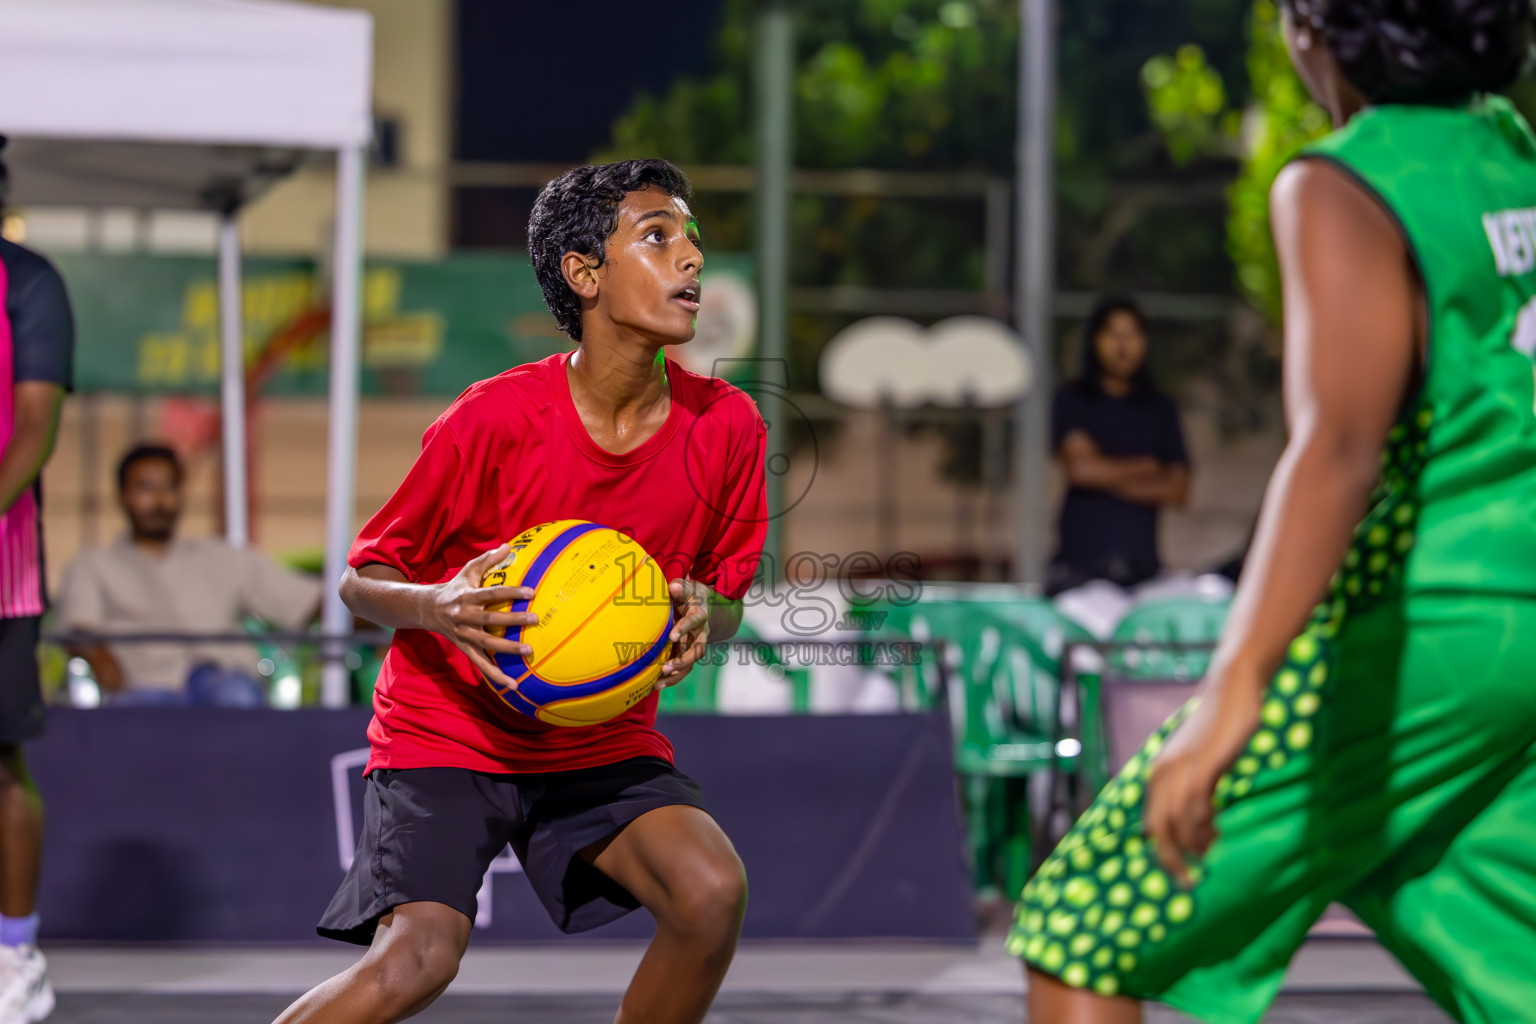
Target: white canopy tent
point(200, 104)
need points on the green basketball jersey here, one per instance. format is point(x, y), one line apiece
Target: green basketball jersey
point(1456, 509)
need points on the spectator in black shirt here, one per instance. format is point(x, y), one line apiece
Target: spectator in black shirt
point(1121, 445)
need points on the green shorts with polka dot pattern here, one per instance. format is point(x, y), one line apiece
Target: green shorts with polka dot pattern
point(1394, 772)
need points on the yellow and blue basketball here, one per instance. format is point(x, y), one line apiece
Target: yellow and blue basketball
point(604, 616)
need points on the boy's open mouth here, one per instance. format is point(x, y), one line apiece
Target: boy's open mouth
point(688, 297)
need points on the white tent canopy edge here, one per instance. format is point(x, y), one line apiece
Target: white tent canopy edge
point(196, 74)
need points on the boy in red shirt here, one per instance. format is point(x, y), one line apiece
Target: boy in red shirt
point(600, 818)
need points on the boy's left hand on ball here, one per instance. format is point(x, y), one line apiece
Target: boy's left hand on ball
point(690, 630)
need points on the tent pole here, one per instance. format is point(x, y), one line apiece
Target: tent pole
point(232, 382)
point(1036, 241)
point(341, 471)
point(774, 159)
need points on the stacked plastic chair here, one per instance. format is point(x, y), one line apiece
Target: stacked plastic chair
point(1168, 638)
point(1002, 651)
point(699, 692)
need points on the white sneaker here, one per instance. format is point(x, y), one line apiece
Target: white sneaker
point(25, 995)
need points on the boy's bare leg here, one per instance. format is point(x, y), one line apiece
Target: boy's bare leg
point(682, 868)
point(1051, 1002)
point(415, 954)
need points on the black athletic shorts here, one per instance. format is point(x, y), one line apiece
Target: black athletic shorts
point(429, 834)
point(21, 691)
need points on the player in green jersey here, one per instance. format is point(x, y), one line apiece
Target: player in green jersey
point(1377, 749)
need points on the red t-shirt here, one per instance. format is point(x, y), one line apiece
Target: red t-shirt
point(512, 453)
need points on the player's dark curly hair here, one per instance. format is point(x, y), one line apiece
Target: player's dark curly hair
point(1423, 51)
point(577, 212)
point(5, 177)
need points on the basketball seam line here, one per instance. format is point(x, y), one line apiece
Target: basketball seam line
point(590, 615)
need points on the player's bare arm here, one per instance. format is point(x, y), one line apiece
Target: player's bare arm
point(458, 608)
point(1350, 350)
point(36, 426)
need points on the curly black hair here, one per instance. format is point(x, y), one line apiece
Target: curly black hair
point(5, 176)
point(577, 212)
point(1423, 51)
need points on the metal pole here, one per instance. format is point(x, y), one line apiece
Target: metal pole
point(887, 493)
point(994, 476)
point(995, 243)
point(341, 465)
point(232, 382)
point(90, 470)
point(1032, 295)
point(774, 158)
point(965, 546)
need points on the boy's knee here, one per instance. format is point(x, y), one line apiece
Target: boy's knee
point(411, 971)
point(711, 904)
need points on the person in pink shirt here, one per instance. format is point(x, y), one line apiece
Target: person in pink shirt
point(37, 338)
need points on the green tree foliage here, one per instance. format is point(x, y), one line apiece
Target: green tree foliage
point(1281, 120)
point(892, 84)
point(931, 85)
point(1188, 104)
point(913, 84)
point(1187, 101)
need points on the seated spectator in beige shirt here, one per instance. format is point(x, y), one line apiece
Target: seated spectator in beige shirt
point(152, 581)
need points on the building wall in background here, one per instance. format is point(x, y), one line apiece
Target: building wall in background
point(839, 516)
point(406, 207)
point(80, 482)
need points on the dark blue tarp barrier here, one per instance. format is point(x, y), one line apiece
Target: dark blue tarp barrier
point(212, 825)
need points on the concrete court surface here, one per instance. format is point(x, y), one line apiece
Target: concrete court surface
point(1333, 981)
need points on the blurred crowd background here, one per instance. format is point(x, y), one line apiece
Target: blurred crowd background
point(897, 577)
point(1172, 117)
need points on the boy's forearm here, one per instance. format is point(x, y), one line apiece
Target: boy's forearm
point(383, 596)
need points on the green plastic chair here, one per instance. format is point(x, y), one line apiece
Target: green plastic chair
point(1030, 671)
point(999, 743)
point(1028, 661)
point(302, 662)
point(919, 684)
point(366, 676)
point(1035, 668)
point(1155, 628)
point(699, 691)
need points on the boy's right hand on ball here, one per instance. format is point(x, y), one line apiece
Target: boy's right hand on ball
point(461, 610)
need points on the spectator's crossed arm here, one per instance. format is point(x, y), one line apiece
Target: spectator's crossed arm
point(1143, 478)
